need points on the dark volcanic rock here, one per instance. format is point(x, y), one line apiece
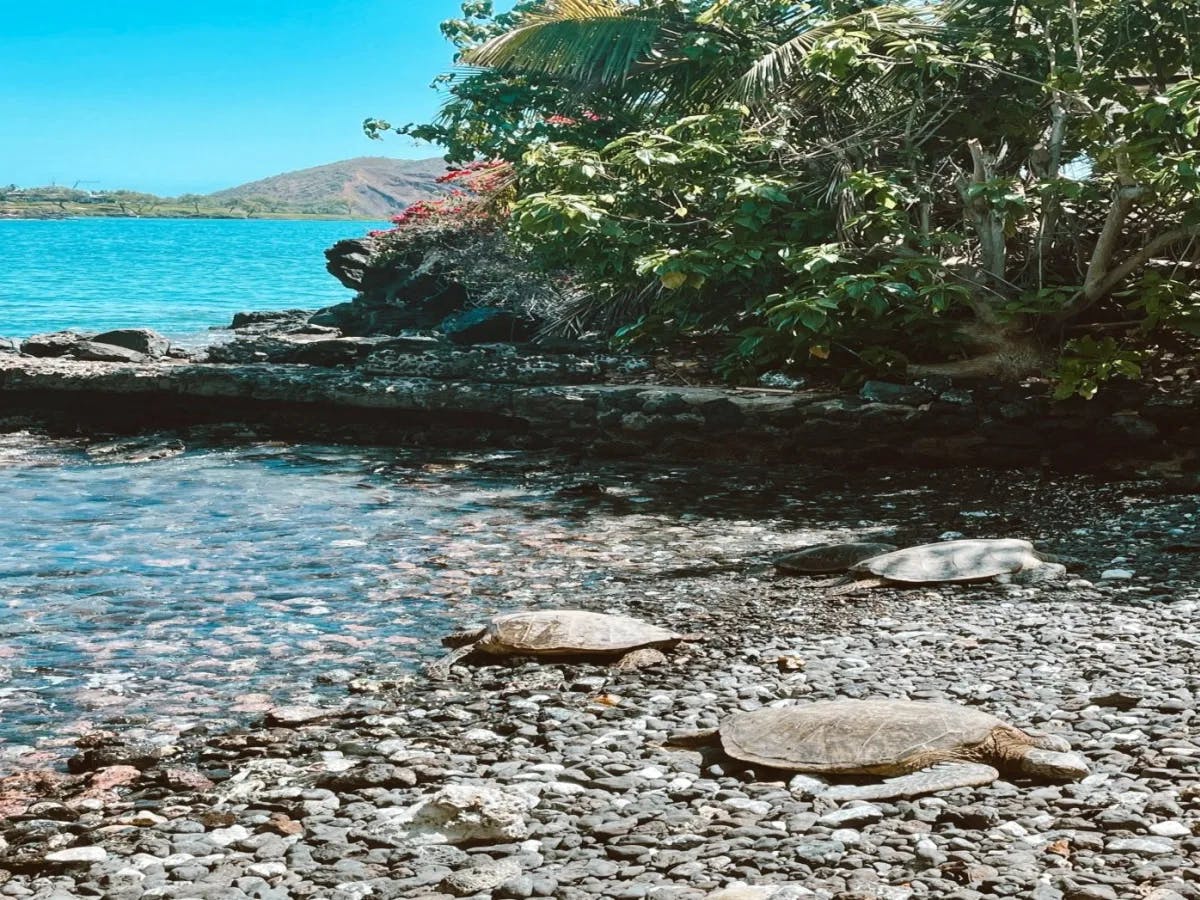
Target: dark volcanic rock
point(141, 340)
point(277, 319)
point(57, 343)
point(487, 325)
point(904, 394)
point(349, 261)
point(418, 302)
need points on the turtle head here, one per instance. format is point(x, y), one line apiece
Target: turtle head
point(464, 637)
point(1053, 765)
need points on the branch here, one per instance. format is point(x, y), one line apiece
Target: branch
point(988, 225)
point(1105, 285)
point(1124, 198)
point(1147, 253)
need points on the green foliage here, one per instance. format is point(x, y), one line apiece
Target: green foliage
point(850, 182)
point(1086, 363)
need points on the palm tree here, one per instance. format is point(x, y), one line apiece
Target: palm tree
point(659, 57)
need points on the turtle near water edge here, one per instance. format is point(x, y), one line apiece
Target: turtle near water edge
point(563, 634)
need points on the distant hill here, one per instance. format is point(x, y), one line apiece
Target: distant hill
point(373, 187)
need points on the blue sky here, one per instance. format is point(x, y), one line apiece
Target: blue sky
point(175, 97)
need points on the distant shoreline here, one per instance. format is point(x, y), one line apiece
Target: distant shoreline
point(48, 216)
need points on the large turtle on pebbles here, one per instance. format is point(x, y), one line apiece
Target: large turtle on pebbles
point(981, 559)
point(919, 748)
point(563, 634)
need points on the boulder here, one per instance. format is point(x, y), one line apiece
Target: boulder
point(349, 261)
point(486, 325)
point(142, 340)
point(97, 352)
point(56, 343)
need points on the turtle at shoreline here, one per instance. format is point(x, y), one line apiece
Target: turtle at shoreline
point(562, 634)
point(917, 747)
point(1000, 559)
point(827, 558)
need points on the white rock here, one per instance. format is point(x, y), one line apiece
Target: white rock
point(1170, 829)
point(267, 869)
point(78, 854)
point(1012, 829)
point(223, 837)
point(1116, 575)
point(458, 814)
point(806, 786)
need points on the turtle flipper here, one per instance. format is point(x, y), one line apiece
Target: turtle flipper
point(942, 777)
point(1050, 571)
point(441, 668)
point(854, 586)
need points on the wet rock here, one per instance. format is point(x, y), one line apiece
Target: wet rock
point(57, 343)
point(140, 340)
point(109, 752)
point(901, 394)
point(295, 716)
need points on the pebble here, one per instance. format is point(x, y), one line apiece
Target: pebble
point(1170, 829)
point(1145, 846)
point(77, 855)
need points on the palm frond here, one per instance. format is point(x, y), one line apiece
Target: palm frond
point(783, 66)
point(588, 41)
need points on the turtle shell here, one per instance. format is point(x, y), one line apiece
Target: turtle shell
point(830, 557)
point(965, 560)
point(563, 632)
point(853, 737)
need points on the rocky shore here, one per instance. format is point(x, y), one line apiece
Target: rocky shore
point(536, 780)
point(411, 388)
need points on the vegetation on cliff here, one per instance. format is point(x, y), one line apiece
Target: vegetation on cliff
point(977, 186)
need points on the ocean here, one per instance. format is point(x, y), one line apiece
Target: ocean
point(178, 276)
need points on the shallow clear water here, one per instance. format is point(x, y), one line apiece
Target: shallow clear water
point(178, 276)
point(217, 583)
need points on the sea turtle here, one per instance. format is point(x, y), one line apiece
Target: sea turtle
point(826, 558)
point(927, 747)
point(1001, 559)
point(563, 634)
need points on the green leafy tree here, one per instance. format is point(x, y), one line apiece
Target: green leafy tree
point(900, 183)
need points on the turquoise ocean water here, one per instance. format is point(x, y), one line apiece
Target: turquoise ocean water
point(178, 276)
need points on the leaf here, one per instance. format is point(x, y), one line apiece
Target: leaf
point(673, 280)
point(818, 351)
